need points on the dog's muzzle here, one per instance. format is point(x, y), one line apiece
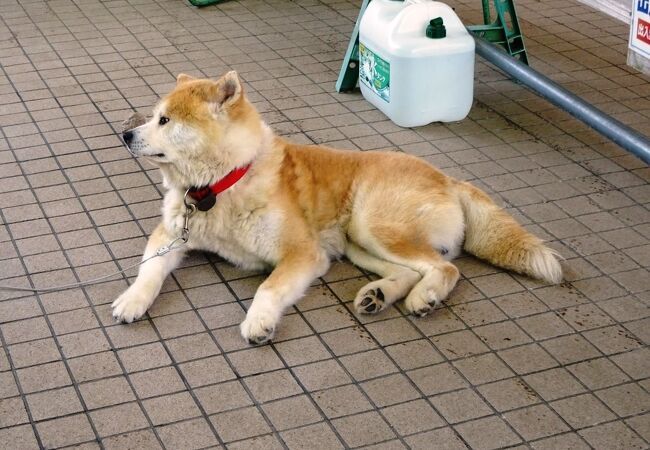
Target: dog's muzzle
point(127, 137)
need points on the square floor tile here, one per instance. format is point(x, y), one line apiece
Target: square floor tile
point(444, 437)
point(612, 435)
point(483, 369)
point(255, 360)
point(487, 433)
point(459, 344)
point(18, 437)
point(535, 422)
point(570, 349)
point(582, 411)
point(412, 417)
point(240, 424)
point(66, 430)
point(223, 397)
point(154, 382)
point(45, 376)
point(460, 405)
point(171, 408)
point(303, 350)
point(196, 346)
point(53, 403)
point(363, 429)
point(193, 434)
point(95, 366)
point(554, 383)
point(389, 390)
point(598, 373)
point(342, 401)
point(13, 412)
point(366, 365)
point(206, 371)
point(144, 439)
point(109, 391)
point(527, 358)
point(437, 379)
point(349, 340)
point(414, 354)
point(118, 419)
point(291, 412)
point(144, 357)
point(311, 436)
point(567, 440)
point(509, 394)
point(272, 385)
point(626, 399)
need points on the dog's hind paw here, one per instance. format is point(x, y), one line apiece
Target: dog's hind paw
point(369, 301)
point(421, 302)
point(258, 328)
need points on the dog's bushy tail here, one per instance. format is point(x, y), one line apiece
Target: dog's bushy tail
point(493, 235)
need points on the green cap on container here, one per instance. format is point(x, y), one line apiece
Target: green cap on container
point(436, 29)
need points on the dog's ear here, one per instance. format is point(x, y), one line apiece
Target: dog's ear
point(229, 89)
point(183, 78)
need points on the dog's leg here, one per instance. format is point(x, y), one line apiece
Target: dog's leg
point(405, 249)
point(135, 301)
point(436, 284)
point(286, 284)
point(377, 295)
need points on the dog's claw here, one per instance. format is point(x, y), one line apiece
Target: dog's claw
point(423, 311)
point(258, 328)
point(259, 340)
point(130, 306)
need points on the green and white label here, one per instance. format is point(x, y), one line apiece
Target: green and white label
point(374, 72)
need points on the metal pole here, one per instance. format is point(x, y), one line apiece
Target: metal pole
point(631, 140)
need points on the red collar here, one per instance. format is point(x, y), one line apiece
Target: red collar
point(206, 196)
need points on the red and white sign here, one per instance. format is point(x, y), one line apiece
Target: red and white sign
point(640, 28)
point(643, 31)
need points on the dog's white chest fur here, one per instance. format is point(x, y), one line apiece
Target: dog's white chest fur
point(241, 235)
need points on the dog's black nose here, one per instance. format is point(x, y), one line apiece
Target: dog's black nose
point(128, 137)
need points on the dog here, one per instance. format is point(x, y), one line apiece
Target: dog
point(294, 208)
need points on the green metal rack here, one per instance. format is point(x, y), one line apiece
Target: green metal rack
point(503, 30)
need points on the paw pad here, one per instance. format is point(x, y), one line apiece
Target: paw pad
point(373, 301)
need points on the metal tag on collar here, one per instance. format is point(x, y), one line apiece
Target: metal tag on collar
point(207, 202)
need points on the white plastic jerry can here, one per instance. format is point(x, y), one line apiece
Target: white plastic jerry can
point(416, 61)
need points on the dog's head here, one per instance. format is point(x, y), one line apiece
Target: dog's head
point(200, 131)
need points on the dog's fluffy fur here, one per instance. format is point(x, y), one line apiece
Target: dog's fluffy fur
point(300, 206)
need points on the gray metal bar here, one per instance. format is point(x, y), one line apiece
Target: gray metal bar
point(628, 138)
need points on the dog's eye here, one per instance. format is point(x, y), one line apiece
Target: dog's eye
point(163, 120)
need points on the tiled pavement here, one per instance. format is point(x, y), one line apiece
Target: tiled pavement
point(507, 362)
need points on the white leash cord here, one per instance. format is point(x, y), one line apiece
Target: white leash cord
point(185, 234)
point(161, 251)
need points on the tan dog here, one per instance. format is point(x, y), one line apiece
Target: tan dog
point(300, 206)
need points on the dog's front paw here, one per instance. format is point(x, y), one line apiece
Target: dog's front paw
point(258, 328)
point(130, 306)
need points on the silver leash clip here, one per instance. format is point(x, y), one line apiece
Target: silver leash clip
point(189, 210)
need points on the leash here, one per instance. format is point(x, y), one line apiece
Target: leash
point(174, 244)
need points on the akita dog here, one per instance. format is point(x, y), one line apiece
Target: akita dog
point(294, 208)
